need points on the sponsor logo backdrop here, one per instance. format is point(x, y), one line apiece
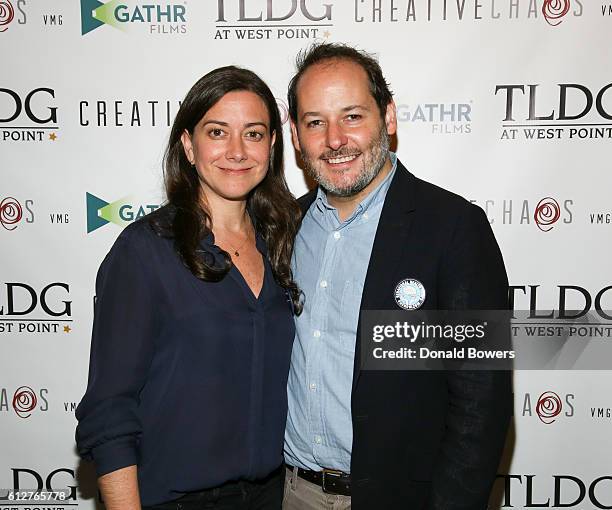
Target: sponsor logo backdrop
point(506, 102)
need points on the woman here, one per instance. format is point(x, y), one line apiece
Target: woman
point(186, 400)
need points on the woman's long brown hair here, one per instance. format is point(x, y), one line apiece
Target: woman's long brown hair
point(275, 212)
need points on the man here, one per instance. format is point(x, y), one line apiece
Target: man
point(382, 439)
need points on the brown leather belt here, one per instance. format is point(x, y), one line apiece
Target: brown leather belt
point(330, 480)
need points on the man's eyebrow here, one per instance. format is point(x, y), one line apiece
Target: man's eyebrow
point(355, 107)
point(310, 114)
point(344, 109)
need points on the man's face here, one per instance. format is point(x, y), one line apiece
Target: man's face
point(339, 131)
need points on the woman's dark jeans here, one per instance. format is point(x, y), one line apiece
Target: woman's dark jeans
point(266, 494)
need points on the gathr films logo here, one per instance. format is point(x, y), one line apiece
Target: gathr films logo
point(439, 118)
point(120, 212)
point(168, 19)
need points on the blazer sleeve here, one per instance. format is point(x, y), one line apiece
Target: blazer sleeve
point(121, 352)
point(472, 276)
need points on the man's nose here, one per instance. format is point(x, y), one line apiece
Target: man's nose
point(336, 137)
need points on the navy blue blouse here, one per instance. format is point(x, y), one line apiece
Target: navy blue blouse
point(187, 379)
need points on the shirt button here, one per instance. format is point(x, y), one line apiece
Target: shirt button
point(365, 216)
point(323, 283)
point(336, 235)
point(318, 439)
point(316, 333)
point(313, 386)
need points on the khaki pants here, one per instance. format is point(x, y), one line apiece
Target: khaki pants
point(300, 494)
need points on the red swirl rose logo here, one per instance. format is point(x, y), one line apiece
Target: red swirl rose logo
point(548, 407)
point(554, 10)
point(283, 109)
point(24, 401)
point(547, 212)
point(7, 13)
point(10, 213)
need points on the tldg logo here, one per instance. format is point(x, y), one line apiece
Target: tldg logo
point(575, 111)
point(270, 19)
point(34, 480)
point(562, 491)
point(571, 98)
point(566, 294)
point(270, 15)
point(120, 212)
point(25, 309)
point(28, 115)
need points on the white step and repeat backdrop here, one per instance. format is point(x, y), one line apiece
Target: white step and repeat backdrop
point(506, 102)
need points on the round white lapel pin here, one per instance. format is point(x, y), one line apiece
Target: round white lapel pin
point(409, 294)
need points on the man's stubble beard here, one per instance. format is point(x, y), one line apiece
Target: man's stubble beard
point(372, 164)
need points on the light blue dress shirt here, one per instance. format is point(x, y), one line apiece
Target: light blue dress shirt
point(330, 262)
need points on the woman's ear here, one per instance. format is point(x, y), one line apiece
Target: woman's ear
point(188, 146)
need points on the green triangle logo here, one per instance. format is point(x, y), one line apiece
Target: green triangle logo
point(94, 218)
point(88, 21)
point(95, 14)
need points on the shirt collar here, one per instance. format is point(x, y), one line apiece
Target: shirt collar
point(376, 196)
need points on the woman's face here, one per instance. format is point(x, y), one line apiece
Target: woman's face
point(230, 146)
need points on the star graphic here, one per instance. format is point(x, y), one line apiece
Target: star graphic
point(52, 137)
point(326, 34)
point(67, 329)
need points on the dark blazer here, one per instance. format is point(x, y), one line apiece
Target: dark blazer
point(429, 439)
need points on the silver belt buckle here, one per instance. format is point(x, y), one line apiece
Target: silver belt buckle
point(331, 473)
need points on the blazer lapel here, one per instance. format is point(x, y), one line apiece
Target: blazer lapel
point(388, 249)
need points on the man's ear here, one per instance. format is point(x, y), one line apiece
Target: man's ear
point(294, 137)
point(187, 146)
point(391, 118)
